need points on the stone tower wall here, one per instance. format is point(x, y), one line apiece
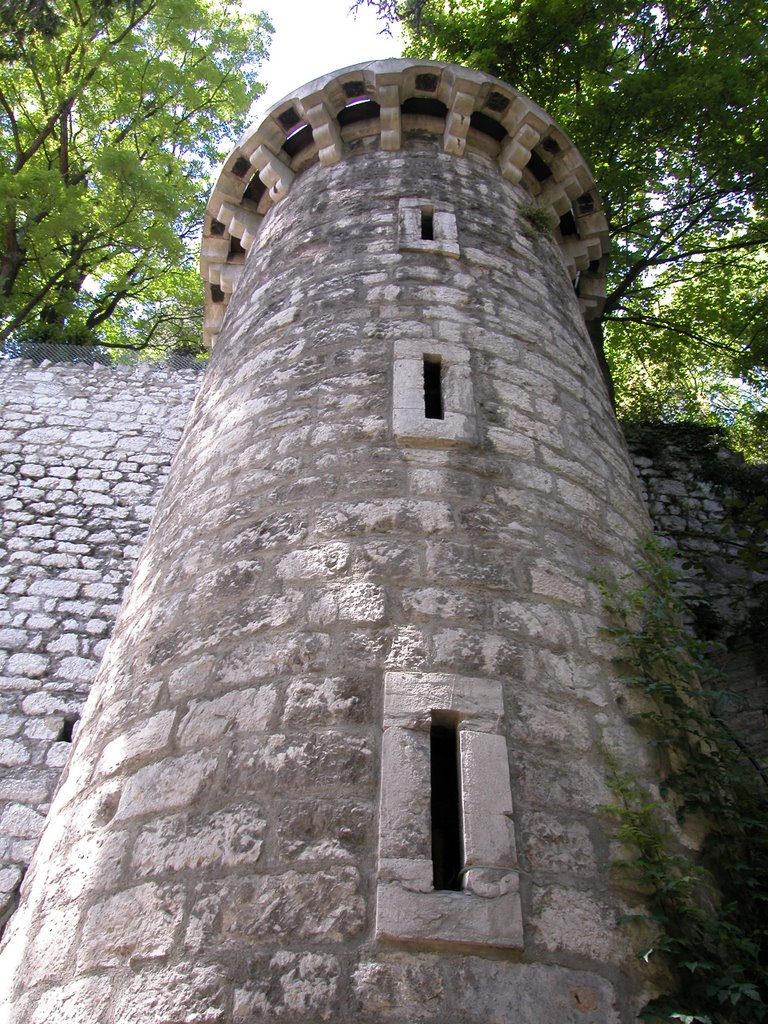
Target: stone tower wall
point(230, 836)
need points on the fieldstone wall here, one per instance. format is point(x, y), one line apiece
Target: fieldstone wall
point(713, 507)
point(84, 452)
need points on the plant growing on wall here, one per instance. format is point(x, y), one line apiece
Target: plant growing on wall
point(709, 910)
point(111, 114)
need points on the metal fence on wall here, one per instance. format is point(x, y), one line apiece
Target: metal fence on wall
point(88, 355)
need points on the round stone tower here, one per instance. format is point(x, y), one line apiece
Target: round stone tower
point(342, 759)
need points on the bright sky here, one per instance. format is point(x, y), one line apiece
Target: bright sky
point(315, 37)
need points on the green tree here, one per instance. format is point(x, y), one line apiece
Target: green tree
point(112, 113)
point(668, 102)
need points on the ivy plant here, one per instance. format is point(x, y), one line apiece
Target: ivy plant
point(707, 909)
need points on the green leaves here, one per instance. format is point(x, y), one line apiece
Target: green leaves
point(110, 130)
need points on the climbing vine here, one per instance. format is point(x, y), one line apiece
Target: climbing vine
point(707, 911)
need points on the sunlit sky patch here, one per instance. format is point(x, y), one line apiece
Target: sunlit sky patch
point(315, 37)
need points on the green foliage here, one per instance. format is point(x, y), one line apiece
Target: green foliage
point(109, 129)
point(537, 222)
point(709, 913)
point(668, 102)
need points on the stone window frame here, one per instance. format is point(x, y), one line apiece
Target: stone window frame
point(487, 911)
point(446, 236)
point(459, 426)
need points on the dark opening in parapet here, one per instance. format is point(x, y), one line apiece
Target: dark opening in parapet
point(362, 110)
point(425, 105)
point(488, 126)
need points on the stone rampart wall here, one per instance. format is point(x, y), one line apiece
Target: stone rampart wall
point(84, 452)
point(713, 507)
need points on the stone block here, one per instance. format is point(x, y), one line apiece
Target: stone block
point(172, 783)
point(188, 842)
point(566, 920)
point(188, 994)
point(13, 753)
point(133, 926)
point(289, 986)
point(319, 906)
point(143, 740)
point(242, 711)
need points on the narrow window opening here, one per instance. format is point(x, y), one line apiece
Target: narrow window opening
point(433, 388)
point(67, 729)
point(428, 223)
point(445, 803)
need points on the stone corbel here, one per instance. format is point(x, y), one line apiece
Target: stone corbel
point(457, 122)
point(325, 130)
point(276, 175)
point(516, 152)
point(240, 223)
point(391, 120)
point(226, 276)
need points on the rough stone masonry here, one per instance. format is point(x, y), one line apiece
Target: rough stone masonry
point(83, 454)
point(342, 571)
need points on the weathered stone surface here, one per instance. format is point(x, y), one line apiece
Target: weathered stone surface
point(172, 783)
point(290, 986)
point(190, 995)
point(225, 839)
point(136, 925)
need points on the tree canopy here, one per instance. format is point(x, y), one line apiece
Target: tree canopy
point(668, 102)
point(112, 113)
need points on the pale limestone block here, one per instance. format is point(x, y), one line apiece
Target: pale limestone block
point(58, 754)
point(554, 845)
point(275, 174)
point(499, 993)
point(571, 921)
point(325, 131)
point(33, 666)
point(387, 985)
point(457, 917)
point(294, 986)
point(169, 784)
point(415, 875)
point(77, 670)
point(325, 905)
point(320, 702)
point(183, 842)
point(136, 925)
point(390, 117)
point(542, 720)
point(13, 753)
point(147, 738)
point(241, 711)
point(21, 822)
point(322, 562)
point(188, 994)
point(48, 954)
point(404, 811)
point(83, 1001)
point(489, 838)
point(410, 698)
point(360, 601)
